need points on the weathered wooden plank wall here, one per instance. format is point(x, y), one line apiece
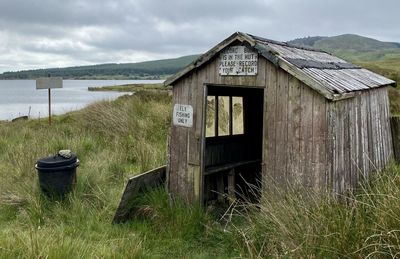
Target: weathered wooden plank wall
point(360, 137)
point(185, 177)
point(184, 145)
point(308, 140)
point(296, 131)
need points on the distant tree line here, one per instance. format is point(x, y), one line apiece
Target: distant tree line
point(144, 70)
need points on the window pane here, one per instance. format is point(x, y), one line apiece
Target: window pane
point(223, 115)
point(237, 115)
point(210, 123)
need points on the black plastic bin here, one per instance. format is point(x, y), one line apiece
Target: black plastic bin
point(57, 174)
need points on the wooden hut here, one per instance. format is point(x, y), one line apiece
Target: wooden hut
point(252, 109)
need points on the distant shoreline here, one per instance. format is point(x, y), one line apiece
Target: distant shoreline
point(127, 88)
point(130, 87)
point(16, 96)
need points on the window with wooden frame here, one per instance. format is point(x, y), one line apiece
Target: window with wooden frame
point(224, 116)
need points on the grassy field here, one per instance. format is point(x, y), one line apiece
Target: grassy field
point(115, 140)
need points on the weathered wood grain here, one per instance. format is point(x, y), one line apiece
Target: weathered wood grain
point(293, 124)
point(265, 140)
point(387, 114)
point(346, 147)
point(319, 129)
point(361, 138)
point(395, 127)
point(271, 100)
point(174, 147)
point(330, 146)
point(195, 132)
point(135, 186)
point(364, 140)
point(318, 139)
point(306, 135)
point(281, 126)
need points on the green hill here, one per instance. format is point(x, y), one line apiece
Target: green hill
point(157, 69)
point(353, 48)
point(346, 42)
point(378, 56)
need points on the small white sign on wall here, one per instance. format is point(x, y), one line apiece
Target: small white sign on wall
point(238, 61)
point(183, 115)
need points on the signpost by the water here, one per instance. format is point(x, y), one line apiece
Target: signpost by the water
point(49, 83)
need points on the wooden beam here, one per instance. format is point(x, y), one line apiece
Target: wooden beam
point(395, 126)
point(221, 168)
point(231, 186)
point(230, 116)
point(339, 97)
point(216, 115)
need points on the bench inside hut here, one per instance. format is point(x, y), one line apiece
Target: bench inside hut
point(233, 148)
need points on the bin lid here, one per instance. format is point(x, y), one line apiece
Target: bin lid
point(56, 161)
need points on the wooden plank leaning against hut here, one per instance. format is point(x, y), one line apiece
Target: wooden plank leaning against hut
point(252, 109)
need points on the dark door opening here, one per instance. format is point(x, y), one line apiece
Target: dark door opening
point(233, 144)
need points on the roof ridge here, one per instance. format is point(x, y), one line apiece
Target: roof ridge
point(281, 43)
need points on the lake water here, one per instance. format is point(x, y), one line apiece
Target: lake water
point(17, 97)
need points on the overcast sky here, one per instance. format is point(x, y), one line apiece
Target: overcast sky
point(57, 33)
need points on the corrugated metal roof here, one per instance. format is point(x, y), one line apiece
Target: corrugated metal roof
point(333, 73)
point(325, 73)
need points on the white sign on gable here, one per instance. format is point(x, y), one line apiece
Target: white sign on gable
point(238, 60)
point(183, 115)
point(49, 82)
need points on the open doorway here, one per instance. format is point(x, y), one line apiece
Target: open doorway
point(233, 144)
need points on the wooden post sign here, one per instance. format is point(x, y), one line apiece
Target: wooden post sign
point(183, 115)
point(238, 61)
point(49, 83)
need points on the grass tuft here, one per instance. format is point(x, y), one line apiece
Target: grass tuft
point(301, 223)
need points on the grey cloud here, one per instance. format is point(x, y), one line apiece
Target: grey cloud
point(183, 10)
point(74, 32)
point(69, 12)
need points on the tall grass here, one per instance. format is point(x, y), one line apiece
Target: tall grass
point(33, 227)
point(303, 224)
point(118, 139)
point(113, 140)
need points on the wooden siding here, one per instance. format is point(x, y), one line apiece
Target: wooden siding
point(307, 139)
point(360, 137)
point(296, 129)
point(186, 143)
